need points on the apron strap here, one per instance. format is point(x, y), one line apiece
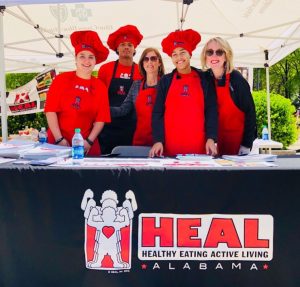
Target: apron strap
point(115, 68)
point(132, 70)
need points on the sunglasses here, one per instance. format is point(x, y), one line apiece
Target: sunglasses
point(218, 52)
point(152, 59)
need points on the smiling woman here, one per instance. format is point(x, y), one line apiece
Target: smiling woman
point(236, 110)
point(85, 63)
point(184, 118)
point(77, 99)
point(142, 96)
point(181, 60)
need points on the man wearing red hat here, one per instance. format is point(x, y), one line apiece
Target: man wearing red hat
point(118, 77)
point(78, 100)
point(184, 118)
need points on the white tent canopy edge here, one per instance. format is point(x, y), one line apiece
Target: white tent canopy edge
point(24, 2)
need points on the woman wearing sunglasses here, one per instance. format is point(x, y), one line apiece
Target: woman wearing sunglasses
point(184, 118)
point(236, 110)
point(142, 96)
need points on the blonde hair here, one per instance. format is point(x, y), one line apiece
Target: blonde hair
point(224, 46)
point(161, 69)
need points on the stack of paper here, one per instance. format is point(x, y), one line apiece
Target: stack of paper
point(251, 157)
point(44, 151)
point(194, 157)
point(14, 148)
point(6, 160)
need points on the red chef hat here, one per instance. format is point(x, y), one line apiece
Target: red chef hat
point(128, 33)
point(187, 39)
point(89, 41)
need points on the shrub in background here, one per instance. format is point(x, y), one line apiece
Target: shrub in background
point(16, 123)
point(283, 120)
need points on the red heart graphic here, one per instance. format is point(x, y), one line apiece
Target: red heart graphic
point(108, 231)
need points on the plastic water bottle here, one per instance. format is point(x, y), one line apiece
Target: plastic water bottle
point(77, 147)
point(265, 133)
point(43, 136)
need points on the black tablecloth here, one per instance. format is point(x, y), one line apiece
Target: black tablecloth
point(42, 227)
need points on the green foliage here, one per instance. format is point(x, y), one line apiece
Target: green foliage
point(284, 78)
point(16, 123)
point(283, 121)
point(14, 81)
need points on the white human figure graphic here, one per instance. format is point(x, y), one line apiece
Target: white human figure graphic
point(108, 219)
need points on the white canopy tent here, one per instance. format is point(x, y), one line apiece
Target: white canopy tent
point(36, 36)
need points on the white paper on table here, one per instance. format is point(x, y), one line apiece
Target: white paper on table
point(5, 160)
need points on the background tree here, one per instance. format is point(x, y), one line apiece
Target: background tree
point(284, 78)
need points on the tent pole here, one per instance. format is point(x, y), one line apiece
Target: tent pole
point(250, 77)
point(59, 28)
point(268, 95)
point(268, 92)
point(2, 79)
point(268, 102)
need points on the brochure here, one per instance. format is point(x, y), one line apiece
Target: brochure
point(44, 151)
point(13, 148)
point(251, 157)
point(194, 157)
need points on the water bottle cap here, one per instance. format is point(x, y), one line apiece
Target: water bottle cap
point(77, 130)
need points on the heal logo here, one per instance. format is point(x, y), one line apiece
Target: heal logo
point(205, 237)
point(121, 91)
point(149, 101)
point(108, 230)
point(76, 104)
point(185, 91)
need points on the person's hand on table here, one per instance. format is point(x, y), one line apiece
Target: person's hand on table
point(211, 147)
point(86, 147)
point(156, 150)
point(243, 150)
point(64, 142)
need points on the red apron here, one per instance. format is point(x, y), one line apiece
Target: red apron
point(184, 116)
point(144, 106)
point(230, 121)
